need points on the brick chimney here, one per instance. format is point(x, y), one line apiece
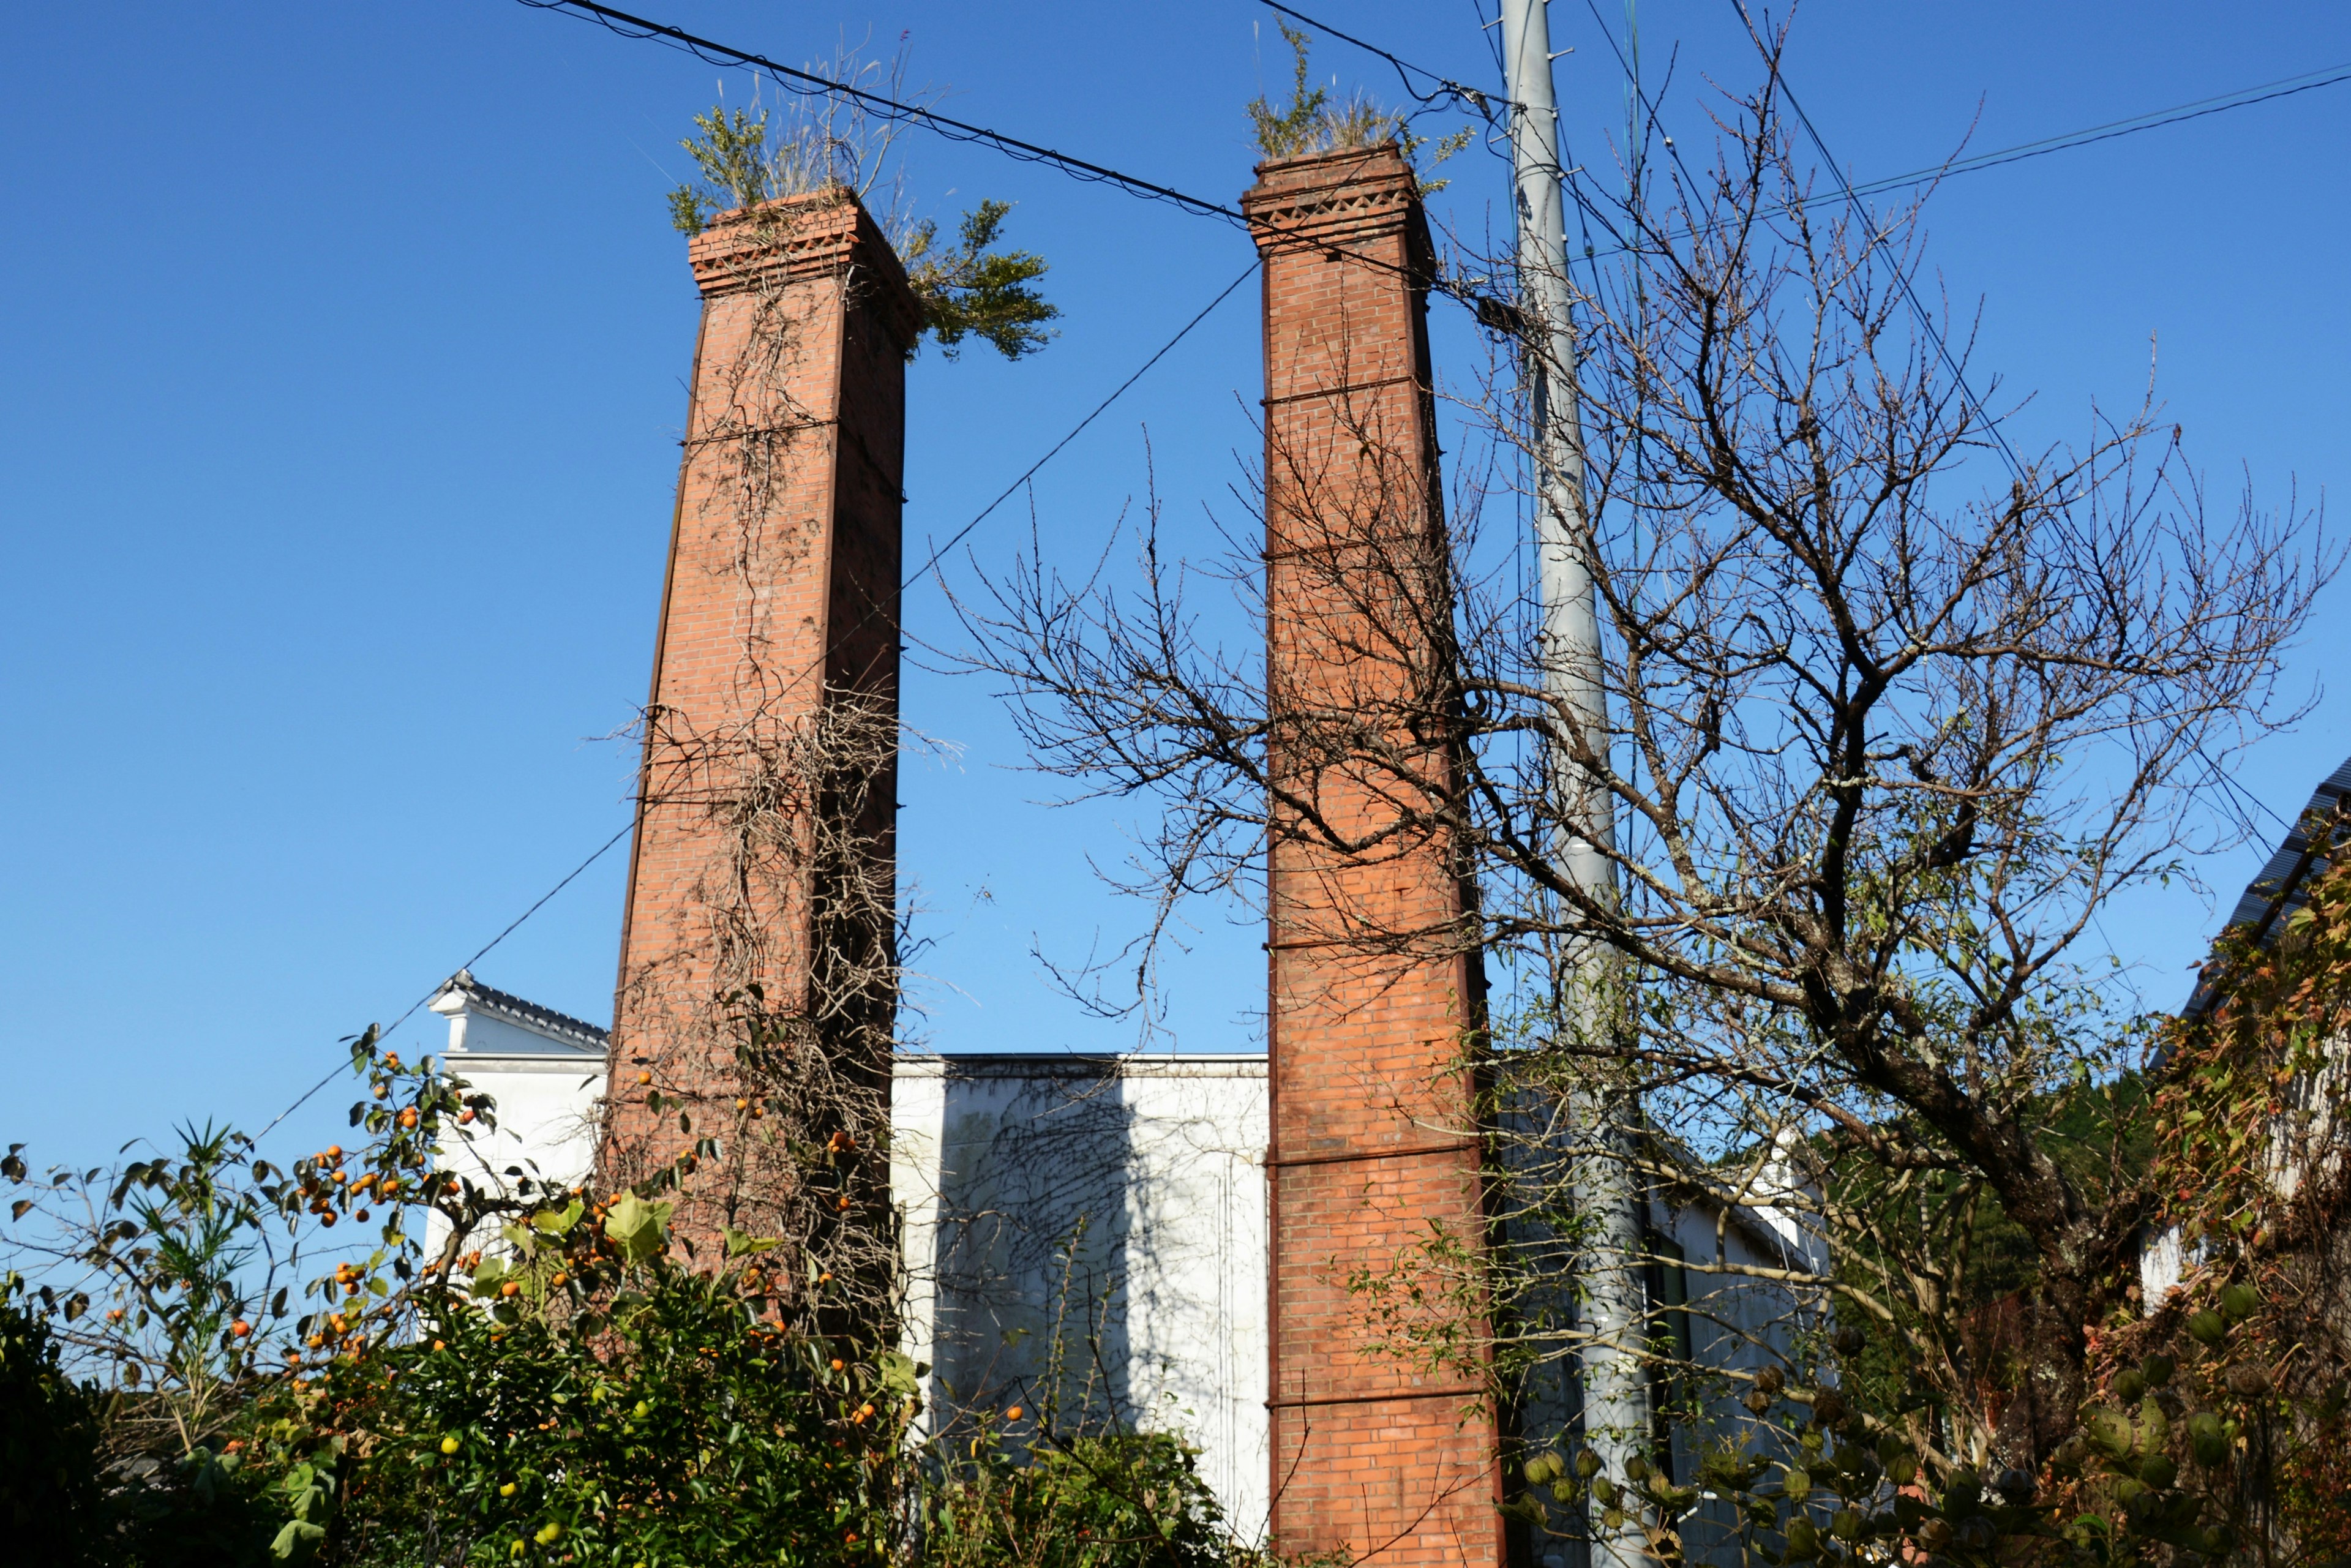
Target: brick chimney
point(1374, 1003)
point(761, 879)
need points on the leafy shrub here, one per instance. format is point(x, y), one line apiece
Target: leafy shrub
point(673, 1426)
point(541, 1383)
point(49, 1442)
point(1088, 1501)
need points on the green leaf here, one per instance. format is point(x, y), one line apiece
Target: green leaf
point(296, 1541)
point(558, 1222)
point(739, 1242)
point(637, 1227)
point(897, 1370)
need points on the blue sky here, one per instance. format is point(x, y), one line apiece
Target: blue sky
point(341, 364)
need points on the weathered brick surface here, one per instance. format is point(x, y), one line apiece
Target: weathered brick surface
point(779, 606)
point(1370, 998)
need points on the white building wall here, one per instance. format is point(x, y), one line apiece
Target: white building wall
point(1087, 1235)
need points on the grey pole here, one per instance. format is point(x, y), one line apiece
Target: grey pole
point(1612, 1304)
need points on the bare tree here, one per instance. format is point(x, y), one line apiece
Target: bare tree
point(1887, 722)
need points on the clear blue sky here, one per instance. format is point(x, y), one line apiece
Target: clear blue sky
point(342, 356)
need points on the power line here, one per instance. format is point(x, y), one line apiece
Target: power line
point(810, 84)
point(2220, 103)
point(1901, 275)
point(1446, 89)
point(924, 571)
point(2230, 787)
point(511, 927)
point(1182, 332)
point(813, 85)
point(1030, 472)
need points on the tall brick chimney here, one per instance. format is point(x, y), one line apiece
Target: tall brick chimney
point(1373, 998)
point(761, 880)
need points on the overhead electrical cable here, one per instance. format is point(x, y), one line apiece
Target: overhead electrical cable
point(1446, 90)
point(1901, 276)
point(1181, 333)
point(812, 84)
point(924, 569)
point(2231, 789)
point(2218, 104)
point(512, 926)
point(931, 563)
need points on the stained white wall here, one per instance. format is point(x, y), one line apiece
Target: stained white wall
point(1088, 1234)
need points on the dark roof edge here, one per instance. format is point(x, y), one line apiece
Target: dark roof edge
point(2278, 888)
point(491, 1001)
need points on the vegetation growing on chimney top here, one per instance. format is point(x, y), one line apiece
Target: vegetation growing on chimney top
point(971, 289)
point(1314, 123)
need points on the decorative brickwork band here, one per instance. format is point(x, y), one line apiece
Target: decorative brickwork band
point(756, 990)
point(1375, 998)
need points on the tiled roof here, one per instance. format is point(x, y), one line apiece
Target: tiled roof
point(530, 1015)
point(2282, 887)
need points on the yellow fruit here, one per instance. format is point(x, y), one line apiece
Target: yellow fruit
point(507, 1490)
point(450, 1445)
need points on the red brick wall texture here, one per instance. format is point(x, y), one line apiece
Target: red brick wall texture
point(1371, 995)
point(780, 608)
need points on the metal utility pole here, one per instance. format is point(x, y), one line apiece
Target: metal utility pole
point(1611, 1300)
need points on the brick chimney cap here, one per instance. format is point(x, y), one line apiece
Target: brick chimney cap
point(819, 233)
point(1325, 197)
point(1383, 151)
